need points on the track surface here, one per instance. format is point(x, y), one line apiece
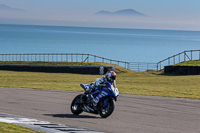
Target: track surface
point(133, 114)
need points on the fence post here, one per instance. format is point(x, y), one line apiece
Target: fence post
point(48, 57)
point(35, 57)
point(160, 65)
point(174, 60)
point(168, 61)
point(191, 54)
point(44, 57)
point(66, 57)
point(28, 57)
point(199, 54)
point(31, 57)
point(57, 56)
point(20, 57)
point(62, 57)
point(6, 57)
point(184, 56)
point(128, 65)
point(157, 66)
point(71, 57)
point(88, 57)
point(40, 57)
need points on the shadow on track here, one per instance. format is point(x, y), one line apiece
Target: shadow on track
point(70, 116)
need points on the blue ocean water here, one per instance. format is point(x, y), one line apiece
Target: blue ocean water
point(132, 45)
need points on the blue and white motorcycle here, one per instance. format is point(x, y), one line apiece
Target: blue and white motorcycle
point(105, 94)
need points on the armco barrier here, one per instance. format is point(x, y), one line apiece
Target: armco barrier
point(58, 69)
point(182, 70)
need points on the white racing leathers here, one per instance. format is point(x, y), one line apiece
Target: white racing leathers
point(102, 80)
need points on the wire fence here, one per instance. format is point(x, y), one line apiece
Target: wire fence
point(77, 57)
point(142, 66)
point(56, 57)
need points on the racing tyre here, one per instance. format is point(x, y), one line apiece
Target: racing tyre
point(106, 111)
point(76, 105)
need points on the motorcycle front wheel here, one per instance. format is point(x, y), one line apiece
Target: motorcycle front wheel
point(75, 105)
point(106, 111)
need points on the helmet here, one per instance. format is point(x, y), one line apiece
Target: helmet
point(110, 76)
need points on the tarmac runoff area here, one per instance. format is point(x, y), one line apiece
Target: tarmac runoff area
point(42, 126)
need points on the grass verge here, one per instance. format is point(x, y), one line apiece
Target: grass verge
point(128, 82)
point(139, 83)
point(190, 63)
point(12, 128)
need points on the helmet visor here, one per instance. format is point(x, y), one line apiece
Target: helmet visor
point(113, 77)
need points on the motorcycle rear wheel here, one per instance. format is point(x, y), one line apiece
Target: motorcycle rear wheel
point(75, 105)
point(106, 111)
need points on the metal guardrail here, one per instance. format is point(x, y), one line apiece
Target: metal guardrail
point(178, 58)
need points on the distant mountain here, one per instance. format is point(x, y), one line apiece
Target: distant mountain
point(102, 12)
point(125, 12)
point(7, 8)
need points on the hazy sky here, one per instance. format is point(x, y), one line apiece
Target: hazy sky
point(164, 14)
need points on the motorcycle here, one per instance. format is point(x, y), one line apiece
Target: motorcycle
point(106, 96)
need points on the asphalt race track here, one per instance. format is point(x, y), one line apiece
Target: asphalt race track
point(133, 114)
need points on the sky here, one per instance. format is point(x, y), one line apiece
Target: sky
point(162, 14)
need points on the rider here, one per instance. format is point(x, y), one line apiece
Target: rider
point(110, 77)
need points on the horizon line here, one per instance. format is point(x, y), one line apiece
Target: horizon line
point(99, 27)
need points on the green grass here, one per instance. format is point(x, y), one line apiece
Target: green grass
point(12, 128)
point(190, 63)
point(139, 83)
point(128, 82)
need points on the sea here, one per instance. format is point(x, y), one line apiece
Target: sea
point(131, 45)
